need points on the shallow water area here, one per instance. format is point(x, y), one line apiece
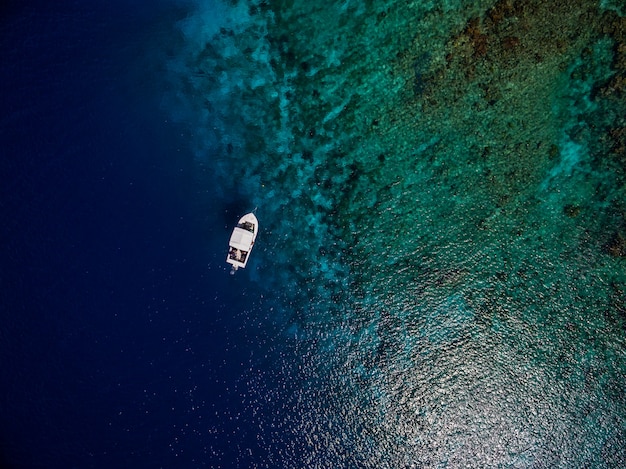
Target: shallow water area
point(443, 200)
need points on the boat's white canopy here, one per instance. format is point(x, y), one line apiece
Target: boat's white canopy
point(241, 239)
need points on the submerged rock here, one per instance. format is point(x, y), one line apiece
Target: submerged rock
point(616, 246)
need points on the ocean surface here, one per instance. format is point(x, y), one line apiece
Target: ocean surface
point(439, 280)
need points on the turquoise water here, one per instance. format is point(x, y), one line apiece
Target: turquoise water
point(441, 191)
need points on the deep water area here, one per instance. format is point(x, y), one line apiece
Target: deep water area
point(439, 280)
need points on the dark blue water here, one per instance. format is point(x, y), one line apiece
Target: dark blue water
point(439, 279)
point(119, 345)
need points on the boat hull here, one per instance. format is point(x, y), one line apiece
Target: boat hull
point(242, 240)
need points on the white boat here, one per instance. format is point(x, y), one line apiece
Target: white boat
point(242, 240)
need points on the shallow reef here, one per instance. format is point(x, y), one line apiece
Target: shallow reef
point(443, 191)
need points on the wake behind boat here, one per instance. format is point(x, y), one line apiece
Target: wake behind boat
point(241, 241)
